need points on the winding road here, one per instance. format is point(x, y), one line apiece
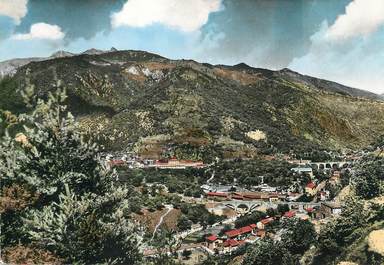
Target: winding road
point(170, 208)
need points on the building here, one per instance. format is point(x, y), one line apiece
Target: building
point(212, 241)
point(328, 209)
point(264, 222)
point(231, 244)
point(310, 188)
point(174, 163)
point(303, 170)
point(217, 195)
point(240, 233)
point(289, 214)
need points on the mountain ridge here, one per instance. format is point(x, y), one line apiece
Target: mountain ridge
point(192, 109)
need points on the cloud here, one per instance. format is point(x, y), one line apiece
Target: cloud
point(186, 15)
point(264, 33)
point(15, 9)
point(356, 62)
point(361, 18)
point(41, 31)
point(77, 18)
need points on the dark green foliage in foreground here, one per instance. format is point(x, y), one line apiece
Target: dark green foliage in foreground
point(57, 196)
point(346, 235)
point(369, 178)
point(296, 238)
point(267, 252)
point(299, 235)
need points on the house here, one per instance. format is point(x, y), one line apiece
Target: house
point(217, 194)
point(310, 188)
point(232, 243)
point(335, 178)
point(232, 233)
point(240, 232)
point(264, 222)
point(212, 241)
point(250, 196)
point(274, 197)
point(303, 170)
point(311, 212)
point(289, 214)
point(237, 197)
point(328, 209)
point(174, 163)
point(323, 195)
point(260, 233)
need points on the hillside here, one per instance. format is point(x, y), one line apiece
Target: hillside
point(192, 109)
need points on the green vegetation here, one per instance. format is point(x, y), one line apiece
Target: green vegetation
point(369, 178)
point(188, 102)
point(297, 237)
point(196, 214)
point(183, 181)
point(248, 172)
point(345, 237)
point(57, 201)
point(248, 219)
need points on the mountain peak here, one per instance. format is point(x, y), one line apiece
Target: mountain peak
point(93, 51)
point(242, 66)
point(61, 54)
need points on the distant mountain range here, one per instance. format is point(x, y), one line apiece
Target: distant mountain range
point(196, 110)
point(10, 67)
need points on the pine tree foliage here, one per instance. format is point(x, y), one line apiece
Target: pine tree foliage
point(75, 208)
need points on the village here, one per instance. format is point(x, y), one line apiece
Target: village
point(315, 201)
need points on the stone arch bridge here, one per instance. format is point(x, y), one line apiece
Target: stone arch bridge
point(330, 165)
point(249, 206)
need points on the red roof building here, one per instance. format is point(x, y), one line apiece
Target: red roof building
point(217, 194)
point(311, 185)
point(266, 221)
point(237, 197)
point(211, 238)
point(232, 233)
point(240, 231)
point(117, 162)
point(252, 196)
point(233, 243)
point(289, 214)
point(245, 230)
point(310, 210)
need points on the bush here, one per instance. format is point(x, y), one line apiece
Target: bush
point(57, 196)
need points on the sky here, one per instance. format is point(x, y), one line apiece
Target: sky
point(341, 40)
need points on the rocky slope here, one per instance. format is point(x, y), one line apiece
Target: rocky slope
point(194, 110)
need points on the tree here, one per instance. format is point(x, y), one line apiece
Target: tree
point(68, 202)
point(267, 252)
point(298, 235)
point(186, 253)
point(369, 177)
point(184, 223)
point(337, 234)
point(271, 212)
point(282, 208)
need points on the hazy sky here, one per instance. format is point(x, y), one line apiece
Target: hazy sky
point(340, 40)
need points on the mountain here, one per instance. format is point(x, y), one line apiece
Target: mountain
point(196, 110)
point(10, 67)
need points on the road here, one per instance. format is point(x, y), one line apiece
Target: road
point(169, 209)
